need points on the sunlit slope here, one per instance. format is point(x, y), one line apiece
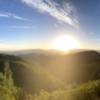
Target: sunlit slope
point(76, 67)
point(29, 76)
point(87, 91)
point(48, 71)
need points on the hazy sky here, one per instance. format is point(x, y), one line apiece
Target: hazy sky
point(35, 23)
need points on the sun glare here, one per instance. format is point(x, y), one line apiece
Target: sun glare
point(65, 43)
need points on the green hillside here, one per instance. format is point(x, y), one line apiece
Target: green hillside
point(49, 76)
point(76, 67)
point(29, 76)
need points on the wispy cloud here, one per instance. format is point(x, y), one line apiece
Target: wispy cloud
point(63, 12)
point(11, 15)
point(19, 27)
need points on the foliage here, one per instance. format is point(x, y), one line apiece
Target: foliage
point(7, 88)
point(88, 91)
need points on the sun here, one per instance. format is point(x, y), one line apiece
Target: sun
point(65, 43)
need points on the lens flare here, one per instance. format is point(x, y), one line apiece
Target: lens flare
point(65, 43)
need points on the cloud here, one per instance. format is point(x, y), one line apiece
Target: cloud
point(11, 15)
point(19, 27)
point(63, 12)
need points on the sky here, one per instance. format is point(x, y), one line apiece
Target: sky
point(29, 24)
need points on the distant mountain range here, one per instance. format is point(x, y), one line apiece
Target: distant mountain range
point(40, 51)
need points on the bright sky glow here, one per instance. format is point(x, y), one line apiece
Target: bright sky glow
point(65, 43)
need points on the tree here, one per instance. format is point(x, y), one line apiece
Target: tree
point(7, 88)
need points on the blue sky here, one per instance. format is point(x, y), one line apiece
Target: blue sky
point(35, 23)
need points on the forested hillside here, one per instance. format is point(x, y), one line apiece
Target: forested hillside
point(47, 76)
